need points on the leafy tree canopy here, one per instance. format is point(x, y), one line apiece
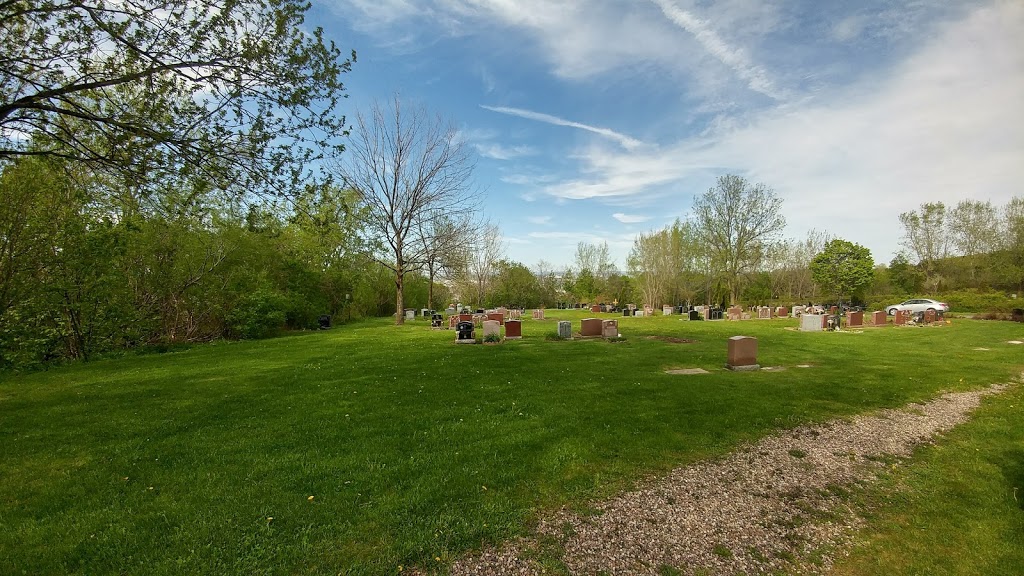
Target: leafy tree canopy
point(842, 268)
point(232, 91)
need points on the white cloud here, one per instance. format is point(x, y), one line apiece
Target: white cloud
point(735, 58)
point(626, 142)
point(945, 124)
point(849, 28)
point(630, 218)
point(539, 220)
point(502, 152)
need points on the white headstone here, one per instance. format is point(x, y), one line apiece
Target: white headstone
point(492, 327)
point(810, 323)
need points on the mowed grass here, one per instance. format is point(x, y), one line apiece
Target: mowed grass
point(414, 450)
point(957, 508)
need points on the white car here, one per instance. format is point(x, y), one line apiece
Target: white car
point(918, 305)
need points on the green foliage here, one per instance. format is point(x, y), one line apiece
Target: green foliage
point(514, 285)
point(258, 315)
point(980, 301)
point(758, 290)
point(492, 338)
point(904, 275)
point(842, 268)
point(84, 276)
point(113, 85)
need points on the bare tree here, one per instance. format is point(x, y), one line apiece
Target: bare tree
point(484, 255)
point(447, 241)
point(413, 173)
point(737, 222)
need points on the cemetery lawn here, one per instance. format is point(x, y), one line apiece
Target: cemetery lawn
point(957, 508)
point(371, 447)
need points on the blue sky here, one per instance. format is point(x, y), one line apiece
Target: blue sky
point(594, 120)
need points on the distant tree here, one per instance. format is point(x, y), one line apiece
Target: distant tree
point(447, 241)
point(843, 268)
point(737, 222)
point(514, 285)
point(974, 230)
point(904, 275)
point(686, 255)
point(240, 92)
point(621, 289)
point(486, 250)
point(1010, 261)
point(412, 172)
point(925, 235)
point(547, 283)
point(650, 264)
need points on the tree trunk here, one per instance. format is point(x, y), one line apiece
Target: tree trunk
point(399, 297)
point(430, 288)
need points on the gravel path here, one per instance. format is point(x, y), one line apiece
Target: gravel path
point(768, 506)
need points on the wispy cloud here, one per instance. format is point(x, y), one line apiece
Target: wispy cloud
point(936, 126)
point(626, 142)
point(734, 58)
point(630, 218)
point(539, 220)
point(501, 152)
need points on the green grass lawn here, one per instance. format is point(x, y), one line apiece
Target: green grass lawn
point(957, 508)
point(413, 448)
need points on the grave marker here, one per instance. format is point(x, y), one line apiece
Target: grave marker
point(590, 327)
point(513, 329)
point(764, 313)
point(610, 328)
point(742, 354)
point(464, 333)
point(878, 318)
point(565, 329)
point(854, 319)
point(492, 327)
point(811, 322)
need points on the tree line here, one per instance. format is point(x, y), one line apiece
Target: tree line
point(176, 171)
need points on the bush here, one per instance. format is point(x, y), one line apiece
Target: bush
point(976, 301)
point(258, 315)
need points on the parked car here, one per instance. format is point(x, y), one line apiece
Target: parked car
point(918, 305)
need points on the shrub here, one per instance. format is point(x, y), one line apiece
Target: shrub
point(975, 301)
point(258, 315)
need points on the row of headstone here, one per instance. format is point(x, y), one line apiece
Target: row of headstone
point(590, 328)
point(465, 330)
